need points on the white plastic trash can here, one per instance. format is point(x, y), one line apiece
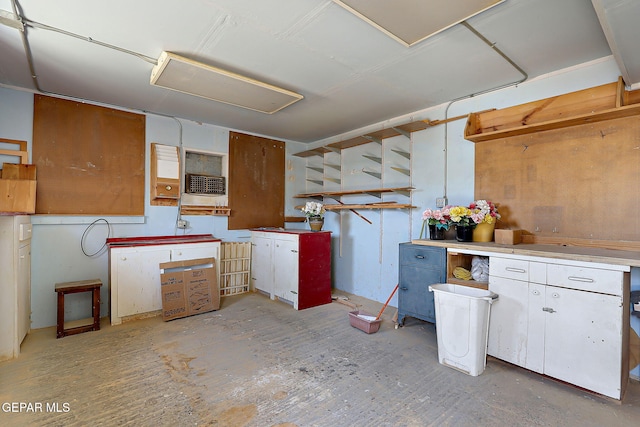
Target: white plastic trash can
point(462, 326)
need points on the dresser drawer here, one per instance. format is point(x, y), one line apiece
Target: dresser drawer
point(422, 256)
point(509, 268)
point(585, 279)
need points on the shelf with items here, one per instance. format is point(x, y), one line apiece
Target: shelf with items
point(376, 192)
point(586, 106)
point(454, 260)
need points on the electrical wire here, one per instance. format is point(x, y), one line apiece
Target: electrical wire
point(493, 46)
point(84, 235)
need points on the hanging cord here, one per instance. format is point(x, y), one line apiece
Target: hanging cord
point(84, 235)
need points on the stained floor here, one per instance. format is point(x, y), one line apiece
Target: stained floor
point(258, 362)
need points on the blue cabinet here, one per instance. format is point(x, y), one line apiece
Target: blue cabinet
point(420, 266)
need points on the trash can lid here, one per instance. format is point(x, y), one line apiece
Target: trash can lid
point(463, 291)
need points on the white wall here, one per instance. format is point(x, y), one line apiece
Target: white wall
point(365, 256)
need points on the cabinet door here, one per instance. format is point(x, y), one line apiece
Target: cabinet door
point(508, 323)
point(138, 280)
point(285, 256)
point(24, 292)
point(420, 266)
point(414, 298)
point(261, 267)
point(583, 339)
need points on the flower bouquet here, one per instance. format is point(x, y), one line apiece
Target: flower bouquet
point(438, 221)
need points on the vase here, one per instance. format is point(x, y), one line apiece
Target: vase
point(316, 224)
point(436, 233)
point(464, 233)
point(483, 232)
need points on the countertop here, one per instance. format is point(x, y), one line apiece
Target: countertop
point(575, 253)
point(160, 240)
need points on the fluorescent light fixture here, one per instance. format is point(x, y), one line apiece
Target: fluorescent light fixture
point(412, 21)
point(194, 78)
point(11, 20)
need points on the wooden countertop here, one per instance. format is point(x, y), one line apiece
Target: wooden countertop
point(574, 253)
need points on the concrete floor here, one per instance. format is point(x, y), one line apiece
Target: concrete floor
point(258, 362)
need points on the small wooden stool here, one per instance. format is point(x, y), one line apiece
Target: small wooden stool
point(62, 289)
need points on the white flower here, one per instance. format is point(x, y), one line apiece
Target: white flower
point(313, 209)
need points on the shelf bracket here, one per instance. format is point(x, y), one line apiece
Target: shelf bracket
point(336, 180)
point(374, 194)
point(373, 139)
point(402, 153)
point(402, 170)
point(402, 132)
point(315, 181)
point(373, 158)
point(374, 174)
point(317, 169)
point(332, 166)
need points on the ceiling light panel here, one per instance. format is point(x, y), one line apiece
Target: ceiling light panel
point(194, 78)
point(411, 21)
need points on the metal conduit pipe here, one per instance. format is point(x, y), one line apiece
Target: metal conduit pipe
point(33, 24)
point(525, 76)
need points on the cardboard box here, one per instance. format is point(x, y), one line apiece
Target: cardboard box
point(508, 237)
point(189, 287)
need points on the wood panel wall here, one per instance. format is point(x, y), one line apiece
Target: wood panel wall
point(90, 159)
point(256, 181)
point(580, 182)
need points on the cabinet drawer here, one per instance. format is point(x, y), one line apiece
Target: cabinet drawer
point(168, 189)
point(509, 268)
point(585, 279)
point(422, 256)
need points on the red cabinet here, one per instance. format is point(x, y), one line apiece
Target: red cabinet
point(292, 265)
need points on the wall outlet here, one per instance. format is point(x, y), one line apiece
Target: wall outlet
point(441, 202)
point(183, 223)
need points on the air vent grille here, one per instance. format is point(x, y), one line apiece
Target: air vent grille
point(203, 184)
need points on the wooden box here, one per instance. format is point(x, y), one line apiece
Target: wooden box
point(508, 237)
point(18, 196)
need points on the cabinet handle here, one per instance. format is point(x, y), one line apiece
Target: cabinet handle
point(168, 188)
point(404, 288)
point(536, 292)
point(420, 256)
point(515, 270)
point(124, 258)
point(581, 279)
point(294, 251)
point(548, 309)
point(555, 295)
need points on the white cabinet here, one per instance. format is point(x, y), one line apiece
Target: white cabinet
point(292, 265)
point(134, 274)
point(565, 321)
point(15, 283)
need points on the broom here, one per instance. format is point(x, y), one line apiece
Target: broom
point(386, 303)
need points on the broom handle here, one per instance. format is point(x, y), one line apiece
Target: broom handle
point(385, 304)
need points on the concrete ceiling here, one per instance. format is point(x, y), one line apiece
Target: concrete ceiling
point(350, 74)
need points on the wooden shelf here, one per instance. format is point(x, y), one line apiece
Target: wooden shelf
point(373, 192)
point(205, 210)
point(388, 205)
point(573, 109)
point(469, 283)
point(381, 205)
